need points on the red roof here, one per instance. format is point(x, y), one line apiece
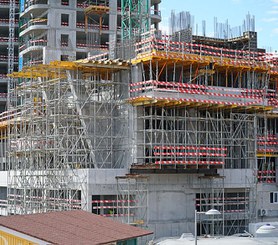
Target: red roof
point(72, 227)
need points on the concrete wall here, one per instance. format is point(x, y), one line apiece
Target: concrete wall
point(55, 49)
point(237, 178)
point(171, 197)
point(102, 182)
point(171, 200)
point(171, 204)
point(263, 203)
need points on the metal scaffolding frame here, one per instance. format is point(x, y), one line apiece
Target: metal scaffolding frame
point(11, 48)
point(94, 14)
point(267, 148)
point(197, 107)
point(211, 196)
point(235, 205)
point(70, 117)
point(11, 55)
point(184, 136)
point(132, 199)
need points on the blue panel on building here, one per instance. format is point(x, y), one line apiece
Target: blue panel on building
point(21, 8)
point(20, 63)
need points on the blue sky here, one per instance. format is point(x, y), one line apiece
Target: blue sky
point(265, 12)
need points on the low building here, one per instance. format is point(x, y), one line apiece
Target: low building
point(66, 227)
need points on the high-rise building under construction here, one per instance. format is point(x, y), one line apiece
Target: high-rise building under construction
point(109, 115)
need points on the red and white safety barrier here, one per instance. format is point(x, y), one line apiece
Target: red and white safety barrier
point(189, 162)
point(267, 172)
point(189, 154)
point(267, 150)
point(113, 201)
point(190, 148)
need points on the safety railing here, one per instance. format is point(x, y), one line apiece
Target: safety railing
point(3, 203)
point(34, 2)
point(32, 22)
point(4, 58)
point(33, 43)
point(164, 46)
point(91, 46)
point(55, 201)
point(6, 21)
point(210, 94)
point(3, 76)
point(85, 4)
point(31, 62)
point(91, 26)
point(81, 25)
point(7, 2)
point(189, 155)
point(99, 57)
point(266, 176)
point(82, 5)
point(267, 144)
point(155, 12)
point(8, 115)
point(6, 39)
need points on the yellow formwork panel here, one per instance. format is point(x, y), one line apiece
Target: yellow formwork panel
point(270, 115)
point(266, 155)
point(143, 57)
point(168, 102)
point(228, 107)
point(226, 63)
point(51, 71)
point(142, 101)
point(9, 239)
point(57, 69)
point(98, 9)
point(172, 57)
point(268, 108)
point(173, 103)
point(4, 124)
point(36, 74)
point(67, 65)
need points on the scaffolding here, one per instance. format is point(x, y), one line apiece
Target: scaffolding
point(132, 199)
point(197, 109)
point(12, 22)
point(267, 149)
point(129, 204)
point(11, 49)
point(211, 196)
point(236, 206)
point(94, 18)
point(176, 107)
point(69, 118)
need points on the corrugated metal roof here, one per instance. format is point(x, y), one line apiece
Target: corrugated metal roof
point(72, 227)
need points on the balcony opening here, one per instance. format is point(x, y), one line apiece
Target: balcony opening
point(64, 40)
point(64, 20)
point(65, 2)
point(64, 57)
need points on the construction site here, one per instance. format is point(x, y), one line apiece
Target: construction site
point(107, 114)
